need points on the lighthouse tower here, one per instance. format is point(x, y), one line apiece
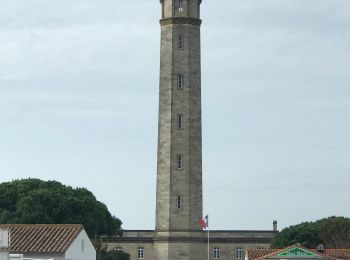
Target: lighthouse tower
point(179, 166)
point(179, 203)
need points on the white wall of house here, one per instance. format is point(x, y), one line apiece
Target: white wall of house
point(81, 248)
point(4, 255)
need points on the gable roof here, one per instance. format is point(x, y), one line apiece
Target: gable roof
point(42, 238)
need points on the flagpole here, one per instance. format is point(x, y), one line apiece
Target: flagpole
point(204, 222)
point(208, 237)
point(208, 245)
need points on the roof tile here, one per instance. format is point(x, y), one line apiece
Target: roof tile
point(41, 238)
point(259, 254)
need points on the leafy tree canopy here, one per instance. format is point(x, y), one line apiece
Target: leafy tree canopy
point(112, 255)
point(103, 254)
point(332, 232)
point(33, 201)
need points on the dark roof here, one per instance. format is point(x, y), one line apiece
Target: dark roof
point(41, 238)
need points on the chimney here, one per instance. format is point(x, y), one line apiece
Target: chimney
point(275, 226)
point(320, 248)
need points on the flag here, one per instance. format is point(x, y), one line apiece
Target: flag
point(204, 222)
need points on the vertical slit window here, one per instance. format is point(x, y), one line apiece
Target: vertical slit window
point(179, 122)
point(179, 161)
point(178, 202)
point(180, 81)
point(180, 42)
point(181, 5)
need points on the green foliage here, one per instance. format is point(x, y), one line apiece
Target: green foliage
point(103, 254)
point(112, 255)
point(306, 234)
point(33, 201)
point(333, 232)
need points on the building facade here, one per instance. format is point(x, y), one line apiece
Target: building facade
point(179, 206)
point(224, 244)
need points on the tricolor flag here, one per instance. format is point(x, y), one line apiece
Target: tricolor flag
point(204, 222)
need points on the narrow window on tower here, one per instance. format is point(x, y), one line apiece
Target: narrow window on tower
point(141, 252)
point(178, 202)
point(181, 5)
point(216, 253)
point(179, 161)
point(179, 122)
point(180, 42)
point(180, 81)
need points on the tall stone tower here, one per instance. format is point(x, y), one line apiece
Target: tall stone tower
point(177, 235)
point(179, 173)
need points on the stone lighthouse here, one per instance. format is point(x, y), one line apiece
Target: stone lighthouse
point(179, 203)
point(179, 166)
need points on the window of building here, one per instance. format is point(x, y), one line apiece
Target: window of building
point(179, 122)
point(181, 5)
point(239, 253)
point(82, 245)
point(216, 253)
point(141, 252)
point(178, 202)
point(179, 161)
point(180, 81)
point(119, 249)
point(180, 42)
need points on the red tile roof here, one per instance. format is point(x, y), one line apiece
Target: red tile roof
point(45, 238)
point(253, 254)
point(338, 253)
point(260, 254)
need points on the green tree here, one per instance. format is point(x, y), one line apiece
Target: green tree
point(333, 232)
point(103, 254)
point(33, 201)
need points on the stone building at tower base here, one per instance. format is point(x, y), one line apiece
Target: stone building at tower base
point(225, 244)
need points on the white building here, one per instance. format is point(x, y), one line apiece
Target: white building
point(49, 241)
point(4, 244)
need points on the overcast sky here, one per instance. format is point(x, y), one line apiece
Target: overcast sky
point(79, 100)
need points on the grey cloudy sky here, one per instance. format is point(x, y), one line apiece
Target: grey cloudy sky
point(79, 100)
